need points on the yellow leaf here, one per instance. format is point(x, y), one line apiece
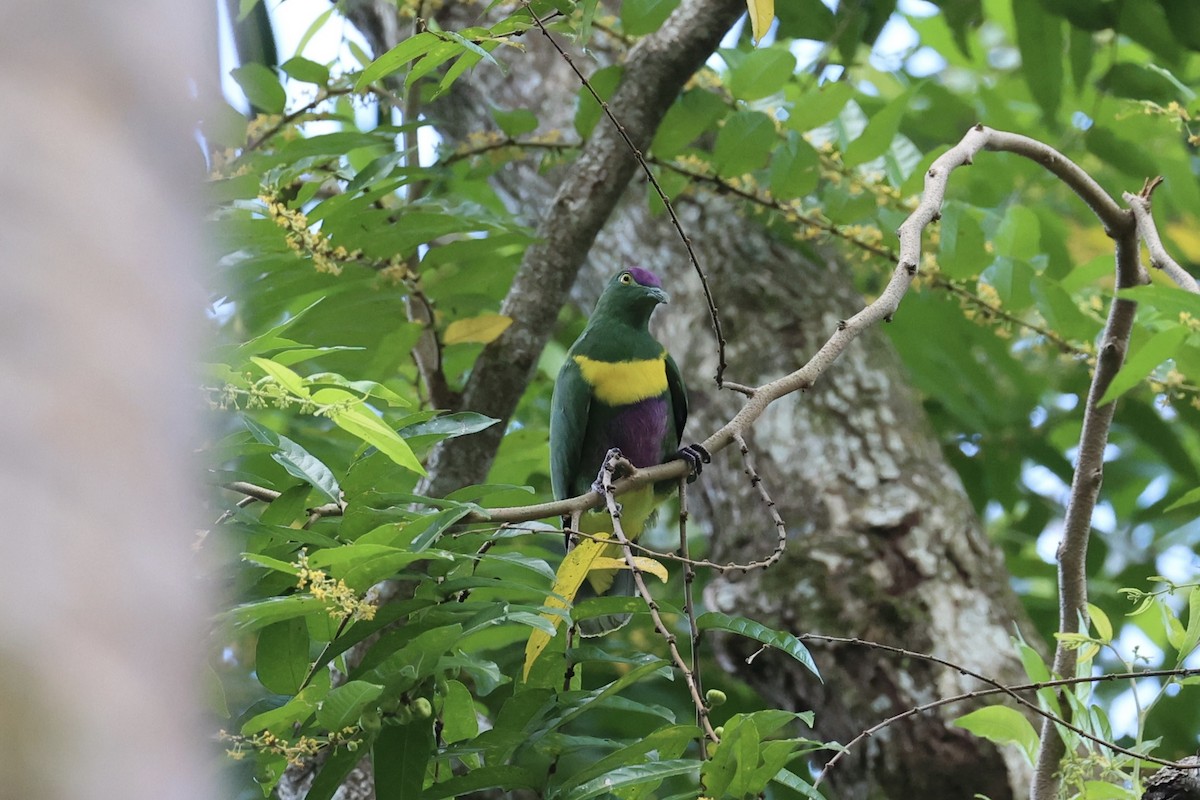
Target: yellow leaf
point(642, 562)
point(762, 14)
point(571, 573)
point(478, 330)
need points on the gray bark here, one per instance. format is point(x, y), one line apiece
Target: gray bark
point(102, 635)
point(883, 544)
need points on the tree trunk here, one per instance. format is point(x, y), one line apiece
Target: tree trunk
point(102, 635)
point(883, 543)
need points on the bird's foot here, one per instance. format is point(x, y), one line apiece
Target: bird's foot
point(696, 456)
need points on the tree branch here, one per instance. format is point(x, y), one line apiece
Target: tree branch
point(1148, 233)
point(1085, 488)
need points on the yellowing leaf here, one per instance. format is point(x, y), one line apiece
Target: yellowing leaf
point(286, 377)
point(762, 14)
point(641, 562)
point(478, 330)
point(571, 573)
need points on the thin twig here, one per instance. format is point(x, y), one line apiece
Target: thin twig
point(757, 482)
point(270, 495)
point(612, 463)
point(997, 686)
point(689, 605)
point(1025, 687)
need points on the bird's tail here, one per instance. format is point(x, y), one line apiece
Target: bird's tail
point(622, 586)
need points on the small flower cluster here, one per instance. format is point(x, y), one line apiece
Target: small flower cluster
point(296, 752)
point(304, 241)
point(339, 598)
point(1177, 113)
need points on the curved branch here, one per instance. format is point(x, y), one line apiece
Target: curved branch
point(1147, 231)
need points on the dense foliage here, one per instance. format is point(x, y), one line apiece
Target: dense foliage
point(347, 268)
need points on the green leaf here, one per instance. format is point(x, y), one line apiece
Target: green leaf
point(1167, 300)
point(438, 525)
point(415, 661)
point(667, 742)
point(1144, 361)
point(785, 642)
point(401, 756)
point(632, 776)
point(298, 461)
point(1081, 51)
point(287, 378)
point(963, 252)
point(1191, 497)
point(1192, 634)
point(695, 112)
point(1100, 621)
point(515, 123)
point(761, 73)
point(279, 719)
point(743, 143)
point(1184, 18)
point(449, 426)
point(795, 168)
point(307, 71)
point(1061, 312)
point(344, 704)
point(411, 48)
point(262, 87)
point(819, 105)
point(314, 28)
point(640, 17)
point(1040, 40)
point(805, 19)
point(281, 656)
point(360, 422)
point(797, 784)
point(1145, 82)
point(482, 778)
point(1011, 280)
point(1002, 725)
point(1019, 234)
point(252, 616)
point(587, 110)
point(335, 769)
point(366, 388)
point(877, 137)
point(459, 720)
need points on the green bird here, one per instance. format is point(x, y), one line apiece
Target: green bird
point(619, 388)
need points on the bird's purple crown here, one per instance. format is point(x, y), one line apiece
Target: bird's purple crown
point(645, 277)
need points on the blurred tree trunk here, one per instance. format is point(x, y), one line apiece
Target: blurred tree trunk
point(883, 542)
point(102, 635)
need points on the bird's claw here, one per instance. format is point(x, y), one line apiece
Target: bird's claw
point(696, 456)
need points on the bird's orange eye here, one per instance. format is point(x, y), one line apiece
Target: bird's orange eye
point(626, 278)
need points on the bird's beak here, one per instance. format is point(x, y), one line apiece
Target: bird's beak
point(659, 295)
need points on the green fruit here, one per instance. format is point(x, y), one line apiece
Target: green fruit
point(422, 708)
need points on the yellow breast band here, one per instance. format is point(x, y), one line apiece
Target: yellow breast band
point(623, 382)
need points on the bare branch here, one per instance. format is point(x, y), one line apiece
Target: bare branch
point(1025, 687)
point(1085, 488)
point(611, 464)
point(1148, 232)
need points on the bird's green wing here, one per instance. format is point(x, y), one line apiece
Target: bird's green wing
point(679, 401)
point(568, 423)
